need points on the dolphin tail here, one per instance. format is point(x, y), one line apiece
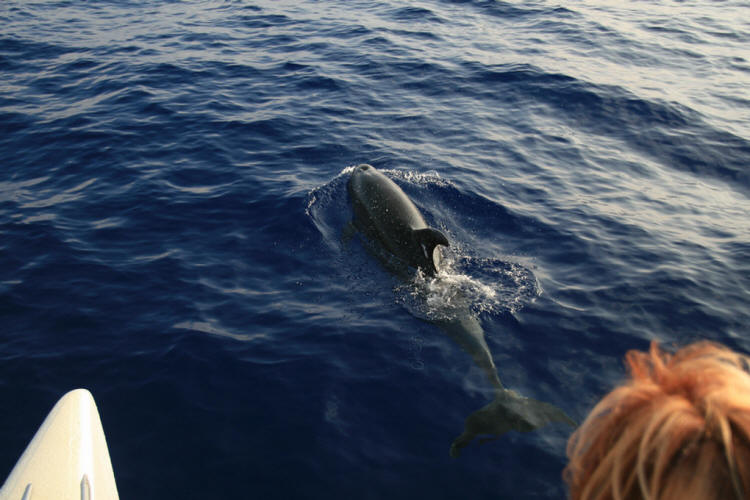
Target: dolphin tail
point(509, 411)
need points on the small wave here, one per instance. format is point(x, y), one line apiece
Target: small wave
point(213, 328)
point(261, 21)
point(108, 223)
point(415, 15)
point(428, 178)
point(514, 10)
point(48, 198)
point(327, 207)
point(645, 125)
point(476, 285)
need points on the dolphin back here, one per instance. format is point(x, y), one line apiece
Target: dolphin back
point(386, 214)
point(509, 411)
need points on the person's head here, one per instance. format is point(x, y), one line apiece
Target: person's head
point(678, 428)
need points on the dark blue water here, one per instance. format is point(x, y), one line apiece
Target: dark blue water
point(173, 215)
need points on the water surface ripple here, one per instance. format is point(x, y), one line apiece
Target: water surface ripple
point(174, 228)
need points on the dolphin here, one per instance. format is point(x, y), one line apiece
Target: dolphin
point(386, 215)
point(509, 411)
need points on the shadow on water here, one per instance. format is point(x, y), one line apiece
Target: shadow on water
point(451, 299)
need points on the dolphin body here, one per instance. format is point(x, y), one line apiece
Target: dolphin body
point(384, 213)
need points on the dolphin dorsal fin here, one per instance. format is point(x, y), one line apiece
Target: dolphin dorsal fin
point(429, 238)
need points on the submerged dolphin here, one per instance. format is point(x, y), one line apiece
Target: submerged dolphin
point(384, 213)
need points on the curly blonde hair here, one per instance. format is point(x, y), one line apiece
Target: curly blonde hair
point(678, 428)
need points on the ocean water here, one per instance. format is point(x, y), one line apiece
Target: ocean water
point(174, 228)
